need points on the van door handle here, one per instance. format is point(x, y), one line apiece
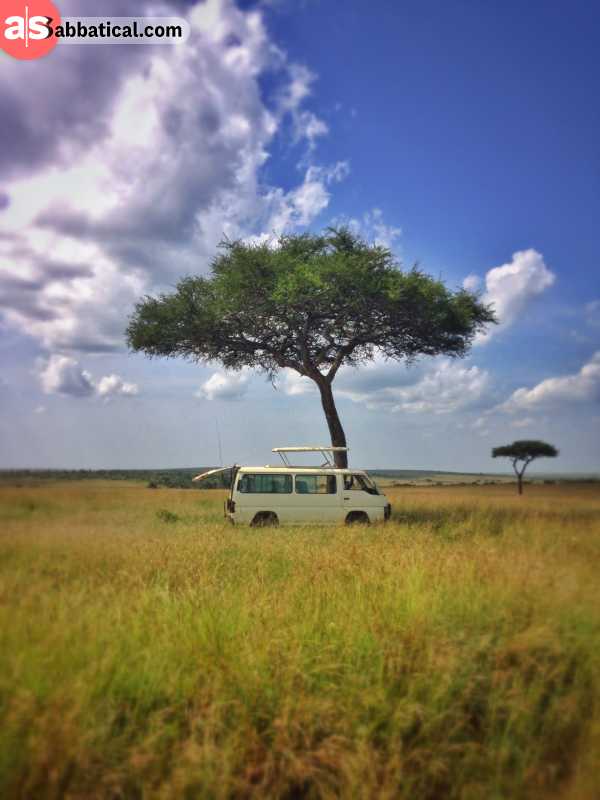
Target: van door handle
point(346, 498)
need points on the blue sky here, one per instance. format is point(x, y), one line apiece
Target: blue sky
point(463, 136)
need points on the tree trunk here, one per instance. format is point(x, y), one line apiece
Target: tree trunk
point(338, 437)
point(519, 474)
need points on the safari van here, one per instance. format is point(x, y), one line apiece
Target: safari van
point(288, 494)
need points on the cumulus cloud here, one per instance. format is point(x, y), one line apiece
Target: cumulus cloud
point(83, 310)
point(225, 386)
point(42, 125)
point(292, 383)
point(472, 282)
point(139, 178)
point(64, 375)
point(111, 385)
point(301, 205)
point(581, 387)
point(441, 387)
point(511, 287)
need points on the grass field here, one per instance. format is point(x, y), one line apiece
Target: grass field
point(453, 653)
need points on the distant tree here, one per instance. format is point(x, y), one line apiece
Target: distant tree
point(522, 453)
point(310, 303)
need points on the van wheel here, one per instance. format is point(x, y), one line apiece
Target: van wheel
point(265, 519)
point(357, 518)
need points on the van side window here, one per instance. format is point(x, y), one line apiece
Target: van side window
point(261, 483)
point(316, 484)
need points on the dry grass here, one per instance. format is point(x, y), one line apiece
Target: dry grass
point(454, 653)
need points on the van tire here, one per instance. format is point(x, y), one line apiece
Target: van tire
point(265, 519)
point(357, 518)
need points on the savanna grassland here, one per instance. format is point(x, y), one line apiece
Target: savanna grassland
point(149, 650)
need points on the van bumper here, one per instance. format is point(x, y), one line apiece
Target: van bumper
point(387, 512)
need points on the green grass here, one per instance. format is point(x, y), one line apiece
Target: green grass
point(453, 653)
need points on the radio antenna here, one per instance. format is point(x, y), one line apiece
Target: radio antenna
point(219, 442)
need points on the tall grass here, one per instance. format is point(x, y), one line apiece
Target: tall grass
point(453, 653)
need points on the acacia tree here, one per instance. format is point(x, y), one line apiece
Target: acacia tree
point(522, 453)
point(310, 303)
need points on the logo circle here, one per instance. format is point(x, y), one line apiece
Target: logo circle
point(26, 27)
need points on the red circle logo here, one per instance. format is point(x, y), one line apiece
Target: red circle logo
point(26, 27)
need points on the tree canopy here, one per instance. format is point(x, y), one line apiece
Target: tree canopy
point(309, 303)
point(522, 453)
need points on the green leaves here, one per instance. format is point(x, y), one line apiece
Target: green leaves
point(525, 450)
point(522, 453)
point(311, 303)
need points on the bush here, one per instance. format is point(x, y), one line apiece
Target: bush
point(167, 516)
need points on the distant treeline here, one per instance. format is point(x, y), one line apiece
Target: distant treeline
point(170, 478)
point(181, 478)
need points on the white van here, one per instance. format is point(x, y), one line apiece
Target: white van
point(289, 494)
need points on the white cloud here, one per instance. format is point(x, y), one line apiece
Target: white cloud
point(305, 124)
point(382, 234)
point(441, 387)
point(334, 173)
point(64, 375)
point(480, 426)
point(78, 311)
point(372, 227)
point(111, 385)
point(300, 206)
point(225, 386)
point(472, 282)
point(308, 200)
point(510, 287)
point(298, 88)
point(583, 386)
point(525, 422)
point(292, 383)
point(171, 164)
point(308, 126)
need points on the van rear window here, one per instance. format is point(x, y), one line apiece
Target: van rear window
point(260, 483)
point(316, 484)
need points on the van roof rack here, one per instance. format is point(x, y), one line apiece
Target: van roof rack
point(325, 452)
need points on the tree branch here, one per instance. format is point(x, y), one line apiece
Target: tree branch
point(344, 351)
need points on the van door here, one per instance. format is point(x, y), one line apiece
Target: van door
point(265, 491)
point(228, 505)
point(360, 494)
point(217, 471)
